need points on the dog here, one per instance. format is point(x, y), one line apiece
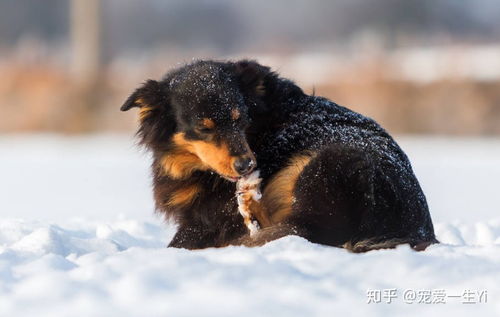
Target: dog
point(329, 174)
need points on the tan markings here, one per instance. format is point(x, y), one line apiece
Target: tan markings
point(260, 90)
point(144, 112)
point(141, 103)
point(278, 194)
point(260, 213)
point(235, 114)
point(145, 108)
point(180, 164)
point(208, 154)
point(208, 123)
point(184, 195)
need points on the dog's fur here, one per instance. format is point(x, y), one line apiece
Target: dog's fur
point(329, 174)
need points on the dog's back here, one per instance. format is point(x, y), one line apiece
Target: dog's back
point(357, 189)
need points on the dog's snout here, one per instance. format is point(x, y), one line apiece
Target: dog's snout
point(244, 165)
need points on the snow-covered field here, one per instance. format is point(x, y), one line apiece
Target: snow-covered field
point(78, 238)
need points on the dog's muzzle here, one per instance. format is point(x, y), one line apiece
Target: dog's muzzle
point(244, 165)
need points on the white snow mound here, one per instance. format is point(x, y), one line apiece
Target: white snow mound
point(123, 268)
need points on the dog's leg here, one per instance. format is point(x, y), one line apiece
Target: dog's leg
point(248, 195)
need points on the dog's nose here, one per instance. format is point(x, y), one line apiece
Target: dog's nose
point(244, 165)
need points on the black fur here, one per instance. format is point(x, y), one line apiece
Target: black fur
point(359, 190)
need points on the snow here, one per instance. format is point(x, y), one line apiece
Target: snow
point(78, 237)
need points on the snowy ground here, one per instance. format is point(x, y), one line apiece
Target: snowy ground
point(78, 238)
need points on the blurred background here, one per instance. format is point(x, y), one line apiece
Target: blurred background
point(422, 66)
point(427, 70)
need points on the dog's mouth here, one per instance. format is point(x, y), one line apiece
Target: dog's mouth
point(234, 179)
point(231, 178)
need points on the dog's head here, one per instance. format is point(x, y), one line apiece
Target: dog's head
point(198, 114)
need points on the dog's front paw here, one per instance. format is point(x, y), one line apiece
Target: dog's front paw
point(253, 226)
point(248, 189)
point(249, 186)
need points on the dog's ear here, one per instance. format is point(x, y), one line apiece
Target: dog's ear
point(150, 94)
point(253, 76)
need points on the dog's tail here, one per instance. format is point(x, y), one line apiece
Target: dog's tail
point(377, 244)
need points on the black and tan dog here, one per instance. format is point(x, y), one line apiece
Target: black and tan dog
point(329, 174)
